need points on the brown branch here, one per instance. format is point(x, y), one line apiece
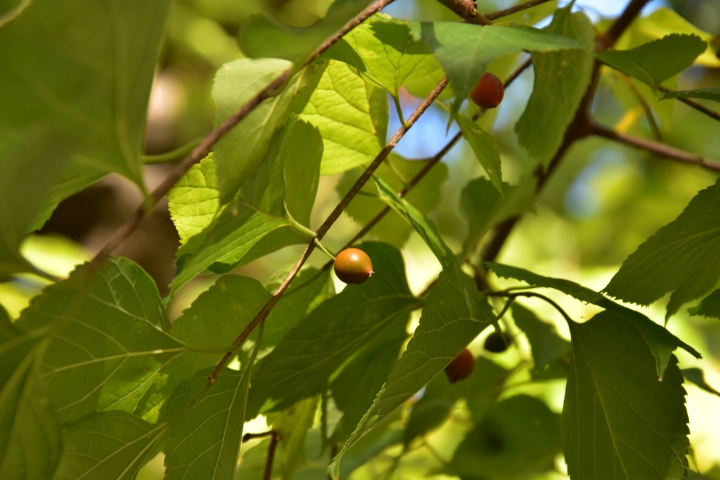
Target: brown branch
point(204, 148)
point(697, 106)
point(274, 439)
point(251, 436)
point(658, 148)
point(516, 8)
point(622, 22)
point(262, 315)
point(467, 10)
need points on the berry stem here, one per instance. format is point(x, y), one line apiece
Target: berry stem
point(322, 247)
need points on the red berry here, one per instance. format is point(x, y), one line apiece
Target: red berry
point(461, 366)
point(488, 92)
point(497, 342)
point(353, 266)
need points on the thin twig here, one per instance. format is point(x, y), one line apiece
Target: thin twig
point(274, 439)
point(658, 148)
point(515, 9)
point(204, 148)
point(262, 315)
point(514, 295)
point(467, 10)
point(697, 106)
point(622, 22)
point(646, 106)
point(251, 436)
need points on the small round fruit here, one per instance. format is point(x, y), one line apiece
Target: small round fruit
point(489, 91)
point(461, 366)
point(353, 266)
point(497, 342)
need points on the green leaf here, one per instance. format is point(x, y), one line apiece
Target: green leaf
point(465, 50)
point(220, 313)
point(293, 425)
point(10, 9)
point(697, 376)
point(661, 342)
point(680, 258)
point(292, 43)
point(29, 430)
point(194, 200)
point(396, 172)
point(518, 438)
point(656, 61)
point(561, 79)
point(546, 345)
point(262, 206)
point(485, 148)
point(350, 114)
point(704, 93)
point(454, 314)
point(708, 306)
point(94, 87)
point(29, 167)
point(108, 339)
point(238, 153)
point(384, 52)
point(419, 222)
point(484, 207)
point(355, 388)
point(481, 390)
point(619, 421)
point(109, 445)
point(301, 364)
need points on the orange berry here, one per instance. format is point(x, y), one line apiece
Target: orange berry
point(489, 91)
point(461, 367)
point(353, 266)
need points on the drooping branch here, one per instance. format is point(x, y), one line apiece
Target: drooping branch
point(661, 149)
point(359, 183)
point(274, 439)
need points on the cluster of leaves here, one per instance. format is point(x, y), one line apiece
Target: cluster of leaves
point(96, 381)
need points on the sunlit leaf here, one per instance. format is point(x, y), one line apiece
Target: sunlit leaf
point(619, 421)
point(661, 342)
point(454, 314)
point(385, 53)
point(680, 258)
point(656, 61)
point(110, 445)
point(350, 114)
point(194, 200)
point(561, 79)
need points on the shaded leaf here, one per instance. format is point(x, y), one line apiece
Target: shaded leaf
point(396, 172)
point(355, 388)
point(194, 200)
point(485, 148)
point(465, 50)
point(350, 114)
point(109, 445)
point(292, 43)
point(385, 53)
point(697, 376)
point(92, 86)
point(517, 438)
point(301, 364)
point(293, 425)
point(619, 421)
point(679, 258)
point(238, 152)
point(704, 93)
point(546, 344)
point(561, 79)
point(708, 306)
point(661, 342)
point(656, 61)
point(423, 226)
point(454, 314)
point(484, 207)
